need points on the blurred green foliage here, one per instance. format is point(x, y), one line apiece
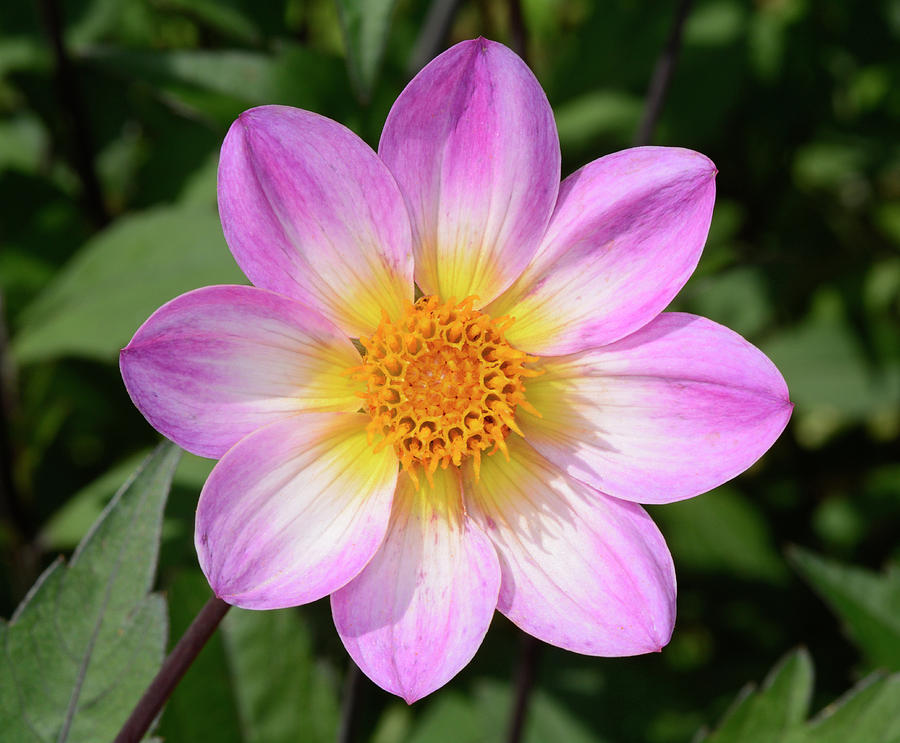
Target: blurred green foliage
point(797, 102)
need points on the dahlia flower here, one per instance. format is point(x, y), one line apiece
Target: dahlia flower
point(487, 445)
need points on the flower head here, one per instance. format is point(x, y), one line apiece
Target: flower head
point(489, 447)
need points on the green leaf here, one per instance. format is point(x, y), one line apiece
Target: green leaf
point(866, 714)
point(777, 712)
point(118, 278)
point(780, 705)
point(88, 638)
point(365, 25)
point(867, 603)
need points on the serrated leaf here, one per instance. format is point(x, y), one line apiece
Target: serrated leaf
point(365, 25)
point(866, 714)
point(775, 709)
point(867, 603)
point(776, 713)
point(118, 278)
point(87, 639)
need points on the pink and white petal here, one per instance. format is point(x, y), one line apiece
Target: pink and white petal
point(473, 146)
point(212, 365)
point(311, 212)
point(294, 511)
point(580, 570)
point(626, 234)
point(669, 412)
point(419, 610)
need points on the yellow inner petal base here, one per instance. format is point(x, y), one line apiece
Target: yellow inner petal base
point(442, 384)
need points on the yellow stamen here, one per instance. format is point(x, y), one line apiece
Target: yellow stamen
point(442, 384)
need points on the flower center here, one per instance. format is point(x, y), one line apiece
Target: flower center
point(442, 384)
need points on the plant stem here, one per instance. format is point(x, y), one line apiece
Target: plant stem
point(524, 683)
point(662, 76)
point(174, 667)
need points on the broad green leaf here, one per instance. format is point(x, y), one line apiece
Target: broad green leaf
point(866, 714)
point(867, 603)
point(777, 712)
point(88, 638)
point(365, 25)
point(779, 706)
point(721, 532)
point(119, 278)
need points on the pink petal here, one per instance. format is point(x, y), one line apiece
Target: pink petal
point(473, 145)
point(626, 234)
point(419, 610)
point(216, 363)
point(294, 511)
point(669, 412)
point(310, 211)
point(580, 570)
